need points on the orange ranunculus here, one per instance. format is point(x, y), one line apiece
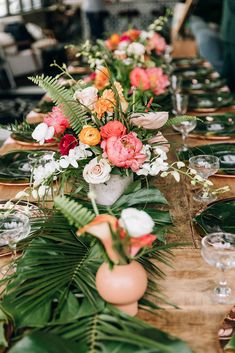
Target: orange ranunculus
point(113, 41)
point(105, 104)
point(101, 78)
point(133, 34)
point(89, 136)
point(100, 228)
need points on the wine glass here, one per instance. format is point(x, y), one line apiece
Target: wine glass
point(184, 127)
point(176, 85)
point(218, 250)
point(205, 165)
point(179, 103)
point(14, 227)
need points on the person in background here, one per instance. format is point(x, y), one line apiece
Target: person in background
point(94, 10)
point(228, 37)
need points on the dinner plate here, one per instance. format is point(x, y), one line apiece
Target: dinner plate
point(188, 62)
point(204, 84)
point(217, 217)
point(215, 127)
point(190, 73)
point(224, 151)
point(210, 101)
point(226, 333)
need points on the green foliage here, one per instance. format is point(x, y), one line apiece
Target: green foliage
point(179, 119)
point(76, 214)
point(63, 97)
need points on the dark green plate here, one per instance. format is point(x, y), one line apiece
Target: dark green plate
point(188, 62)
point(189, 73)
point(217, 217)
point(225, 152)
point(203, 84)
point(14, 168)
point(211, 100)
point(216, 126)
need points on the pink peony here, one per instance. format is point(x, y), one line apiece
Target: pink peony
point(157, 43)
point(124, 151)
point(158, 80)
point(112, 128)
point(140, 79)
point(57, 119)
point(67, 143)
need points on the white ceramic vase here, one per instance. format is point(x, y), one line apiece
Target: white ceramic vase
point(107, 193)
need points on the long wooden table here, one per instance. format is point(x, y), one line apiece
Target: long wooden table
point(186, 285)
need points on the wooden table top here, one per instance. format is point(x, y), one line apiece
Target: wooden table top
point(198, 319)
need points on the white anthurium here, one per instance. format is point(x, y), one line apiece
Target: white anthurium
point(136, 49)
point(87, 96)
point(97, 171)
point(43, 132)
point(137, 223)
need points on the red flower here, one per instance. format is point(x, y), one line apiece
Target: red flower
point(67, 143)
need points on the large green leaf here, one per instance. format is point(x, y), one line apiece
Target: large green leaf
point(41, 342)
point(218, 217)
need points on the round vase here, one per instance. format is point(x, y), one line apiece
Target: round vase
point(107, 193)
point(122, 286)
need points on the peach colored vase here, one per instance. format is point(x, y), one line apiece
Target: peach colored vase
point(122, 286)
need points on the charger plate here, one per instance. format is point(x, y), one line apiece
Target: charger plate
point(226, 333)
point(217, 217)
point(224, 151)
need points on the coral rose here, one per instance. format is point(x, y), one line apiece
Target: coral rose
point(112, 128)
point(57, 119)
point(140, 79)
point(90, 136)
point(67, 143)
point(124, 151)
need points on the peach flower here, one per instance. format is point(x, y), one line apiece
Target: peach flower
point(105, 104)
point(113, 41)
point(101, 78)
point(100, 228)
point(161, 142)
point(57, 119)
point(89, 135)
point(124, 151)
point(123, 101)
point(112, 128)
point(133, 34)
point(139, 243)
point(157, 79)
point(157, 43)
point(140, 79)
point(149, 121)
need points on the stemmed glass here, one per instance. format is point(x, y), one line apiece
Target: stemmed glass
point(205, 165)
point(218, 250)
point(176, 85)
point(14, 227)
point(179, 103)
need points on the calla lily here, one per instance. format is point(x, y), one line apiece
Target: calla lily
point(100, 228)
point(43, 132)
point(150, 121)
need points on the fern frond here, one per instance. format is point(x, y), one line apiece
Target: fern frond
point(76, 214)
point(179, 119)
point(64, 97)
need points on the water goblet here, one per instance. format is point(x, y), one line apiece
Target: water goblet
point(205, 165)
point(179, 103)
point(184, 127)
point(218, 250)
point(176, 84)
point(14, 227)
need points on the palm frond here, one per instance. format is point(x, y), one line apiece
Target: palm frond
point(76, 214)
point(63, 97)
point(179, 119)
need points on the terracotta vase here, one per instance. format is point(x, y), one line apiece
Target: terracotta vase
point(122, 286)
point(107, 193)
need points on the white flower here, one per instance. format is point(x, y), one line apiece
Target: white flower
point(97, 172)
point(123, 45)
point(87, 96)
point(43, 132)
point(43, 172)
point(146, 35)
point(146, 149)
point(136, 49)
point(176, 175)
point(180, 164)
point(77, 153)
point(164, 174)
point(154, 168)
point(127, 61)
point(137, 223)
